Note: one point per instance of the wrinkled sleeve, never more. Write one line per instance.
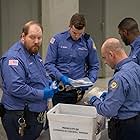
(92, 62)
(113, 101)
(51, 60)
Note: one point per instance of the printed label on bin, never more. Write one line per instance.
(70, 130)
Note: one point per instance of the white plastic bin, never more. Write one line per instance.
(72, 122)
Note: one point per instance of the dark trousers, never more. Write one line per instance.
(128, 129)
(11, 126)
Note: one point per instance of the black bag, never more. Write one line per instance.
(2, 110)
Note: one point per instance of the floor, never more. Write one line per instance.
(100, 85)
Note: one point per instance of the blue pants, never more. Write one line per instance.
(11, 126)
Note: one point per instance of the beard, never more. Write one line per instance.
(34, 49)
(126, 41)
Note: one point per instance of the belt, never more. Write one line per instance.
(125, 120)
(17, 112)
(21, 112)
(27, 115)
(36, 113)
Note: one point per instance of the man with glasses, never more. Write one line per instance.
(72, 54)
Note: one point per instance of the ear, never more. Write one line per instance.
(125, 32)
(22, 37)
(111, 55)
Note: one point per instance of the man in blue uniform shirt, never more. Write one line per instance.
(122, 101)
(72, 54)
(26, 87)
(130, 34)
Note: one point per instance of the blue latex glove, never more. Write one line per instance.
(92, 100)
(48, 93)
(65, 80)
(102, 97)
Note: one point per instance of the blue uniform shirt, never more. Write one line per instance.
(73, 58)
(135, 50)
(24, 78)
(123, 98)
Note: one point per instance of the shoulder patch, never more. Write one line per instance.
(13, 62)
(52, 40)
(113, 85)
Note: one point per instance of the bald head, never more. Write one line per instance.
(112, 52)
(112, 44)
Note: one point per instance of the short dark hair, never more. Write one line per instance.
(26, 27)
(78, 20)
(129, 24)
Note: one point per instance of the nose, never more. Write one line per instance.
(36, 40)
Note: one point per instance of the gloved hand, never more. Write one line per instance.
(54, 86)
(48, 93)
(65, 80)
(102, 97)
(92, 100)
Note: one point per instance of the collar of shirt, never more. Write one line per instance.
(135, 44)
(121, 63)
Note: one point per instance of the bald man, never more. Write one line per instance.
(122, 101)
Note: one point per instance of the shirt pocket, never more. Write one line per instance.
(34, 73)
(82, 53)
(63, 54)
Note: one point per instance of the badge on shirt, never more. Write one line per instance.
(52, 40)
(13, 62)
(113, 85)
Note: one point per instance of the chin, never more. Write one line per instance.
(76, 39)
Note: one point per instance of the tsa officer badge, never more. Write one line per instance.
(113, 85)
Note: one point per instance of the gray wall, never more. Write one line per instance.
(14, 13)
(94, 13)
(55, 17)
